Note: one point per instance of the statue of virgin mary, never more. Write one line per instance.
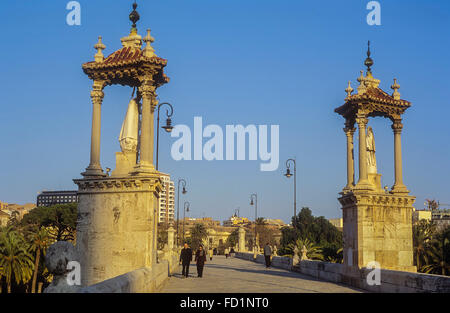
(370, 146)
(128, 137)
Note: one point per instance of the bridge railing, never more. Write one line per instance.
(390, 281)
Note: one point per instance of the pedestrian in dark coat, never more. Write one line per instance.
(185, 259)
(200, 258)
(267, 254)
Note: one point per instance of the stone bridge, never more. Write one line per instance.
(234, 275)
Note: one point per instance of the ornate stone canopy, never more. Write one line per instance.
(372, 101)
(127, 66)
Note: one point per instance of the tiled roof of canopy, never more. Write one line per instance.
(378, 94)
(123, 56)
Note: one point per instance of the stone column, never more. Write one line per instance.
(94, 168)
(171, 238)
(363, 182)
(241, 239)
(147, 129)
(350, 159)
(398, 187)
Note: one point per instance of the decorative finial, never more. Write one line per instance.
(368, 62)
(148, 50)
(362, 83)
(134, 17)
(349, 89)
(395, 87)
(99, 57)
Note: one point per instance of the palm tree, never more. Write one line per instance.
(39, 242)
(260, 221)
(313, 251)
(422, 235)
(439, 252)
(15, 260)
(198, 234)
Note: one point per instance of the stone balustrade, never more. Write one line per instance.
(142, 280)
(391, 281)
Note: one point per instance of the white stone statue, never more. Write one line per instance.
(370, 146)
(304, 251)
(128, 137)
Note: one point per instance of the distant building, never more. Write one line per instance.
(441, 218)
(337, 222)
(49, 198)
(207, 221)
(166, 208)
(236, 221)
(418, 215)
(4, 218)
(3, 205)
(275, 222)
(20, 209)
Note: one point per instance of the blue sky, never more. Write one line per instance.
(231, 62)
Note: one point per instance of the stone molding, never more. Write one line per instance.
(119, 184)
(354, 197)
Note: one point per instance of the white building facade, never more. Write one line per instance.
(166, 208)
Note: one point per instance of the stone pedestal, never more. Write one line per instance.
(375, 180)
(378, 227)
(115, 225)
(125, 163)
(171, 238)
(241, 241)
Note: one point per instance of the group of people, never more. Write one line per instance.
(200, 258)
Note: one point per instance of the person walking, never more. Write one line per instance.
(232, 252)
(185, 259)
(226, 253)
(211, 253)
(267, 254)
(200, 258)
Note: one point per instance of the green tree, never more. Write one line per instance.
(15, 260)
(60, 220)
(198, 234)
(162, 236)
(423, 232)
(40, 241)
(318, 230)
(265, 234)
(13, 221)
(232, 240)
(439, 252)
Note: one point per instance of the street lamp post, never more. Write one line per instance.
(181, 180)
(168, 127)
(288, 175)
(254, 196)
(186, 209)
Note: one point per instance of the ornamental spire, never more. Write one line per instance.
(349, 89)
(148, 50)
(395, 87)
(99, 57)
(133, 39)
(134, 17)
(368, 62)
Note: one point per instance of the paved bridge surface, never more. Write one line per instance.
(237, 275)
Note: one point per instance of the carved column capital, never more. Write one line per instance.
(397, 126)
(97, 96)
(349, 131)
(147, 89)
(97, 91)
(361, 120)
